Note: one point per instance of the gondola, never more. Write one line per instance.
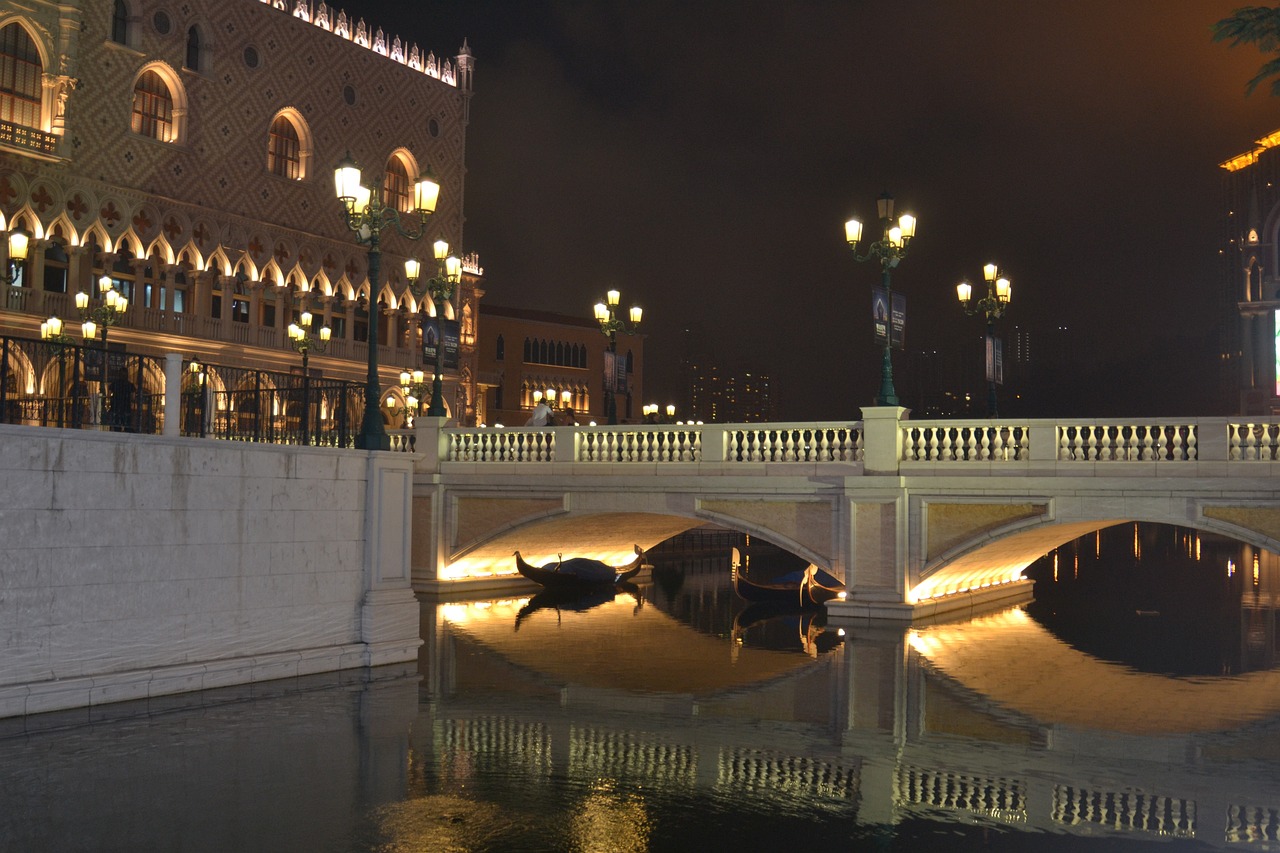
(811, 587)
(575, 600)
(580, 573)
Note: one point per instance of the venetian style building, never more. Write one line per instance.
(527, 354)
(185, 149)
(1250, 348)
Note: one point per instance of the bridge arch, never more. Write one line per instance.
(969, 546)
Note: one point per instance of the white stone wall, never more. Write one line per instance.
(135, 566)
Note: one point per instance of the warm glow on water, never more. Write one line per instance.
(1135, 702)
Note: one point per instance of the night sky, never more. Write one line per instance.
(702, 156)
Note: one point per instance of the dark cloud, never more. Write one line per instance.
(703, 156)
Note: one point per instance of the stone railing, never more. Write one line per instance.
(881, 444)
(665, 443)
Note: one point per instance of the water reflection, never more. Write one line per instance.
(671, 717)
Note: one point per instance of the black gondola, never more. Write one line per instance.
(579, 573)
(811, 587)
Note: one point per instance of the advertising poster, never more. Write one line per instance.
(995, 360)
(431, 337)
(615, 373)
(889, 323)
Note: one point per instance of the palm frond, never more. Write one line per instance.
(1258, 25)
(1268, 70)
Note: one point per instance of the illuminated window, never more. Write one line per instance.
(20, 73)
(152, 107)
(395, 186)
(284, 153)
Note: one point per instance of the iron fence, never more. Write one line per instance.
(44, 383)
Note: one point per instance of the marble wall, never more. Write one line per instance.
(137, 566)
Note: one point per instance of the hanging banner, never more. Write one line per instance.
(431, 337)
(615, 373)
(888, 317)
(995, 360)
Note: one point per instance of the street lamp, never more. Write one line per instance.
(889, 251)
(610, 325)
(440, 287)
(51, 331)
(303, 340)
(993, 306)
(367, 214)
(19, 246)
(413, 384)
(110, 309)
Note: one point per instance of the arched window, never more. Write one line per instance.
(20, 73)
(193, 48)
(502, 350)
(284, 149)
(55, 268)
(153, 107)
(528, 351)
(395, 185)
(120, 23)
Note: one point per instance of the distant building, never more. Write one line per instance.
(717, 394)
(1249, 305)
(528, 353)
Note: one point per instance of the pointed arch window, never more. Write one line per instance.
(193, 48)
(120, 23)
(284, 150)
(395, 185)
(20, 74)
(153, 107)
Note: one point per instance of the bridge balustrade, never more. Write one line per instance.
(1009, 445)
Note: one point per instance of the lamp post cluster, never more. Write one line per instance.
(413, 384)
(888, 251)
(610, 324)
(992, 306)
(367, 215)
(651, 414)
(440, 287)
(304, 340)
(97, 321)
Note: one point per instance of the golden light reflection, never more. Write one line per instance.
(1017, 663)
(608, 822)
(1055, 566)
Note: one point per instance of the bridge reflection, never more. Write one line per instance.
(991, 723)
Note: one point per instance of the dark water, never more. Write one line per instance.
(1135, 705)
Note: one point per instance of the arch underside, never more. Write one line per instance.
(1001, 557)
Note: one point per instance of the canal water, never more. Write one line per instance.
(1135, 705)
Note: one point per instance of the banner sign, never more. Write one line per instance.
(890, 325)
(431, 337)
(615, 373)
(995, 360)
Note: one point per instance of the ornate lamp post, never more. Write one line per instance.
(108, 312)
(367, 215)
(440, 288)
(303, 340)
(51, 331)
(889, 251)
(413, 384)
(201, 373)
(610, 325)
(993, 306)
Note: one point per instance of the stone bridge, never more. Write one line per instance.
(919, 517)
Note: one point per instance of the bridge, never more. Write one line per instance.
(920, 518)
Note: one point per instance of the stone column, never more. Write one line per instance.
(172, 393)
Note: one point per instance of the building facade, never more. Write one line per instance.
(186, 152)
(536, 354)
(1250, 304)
